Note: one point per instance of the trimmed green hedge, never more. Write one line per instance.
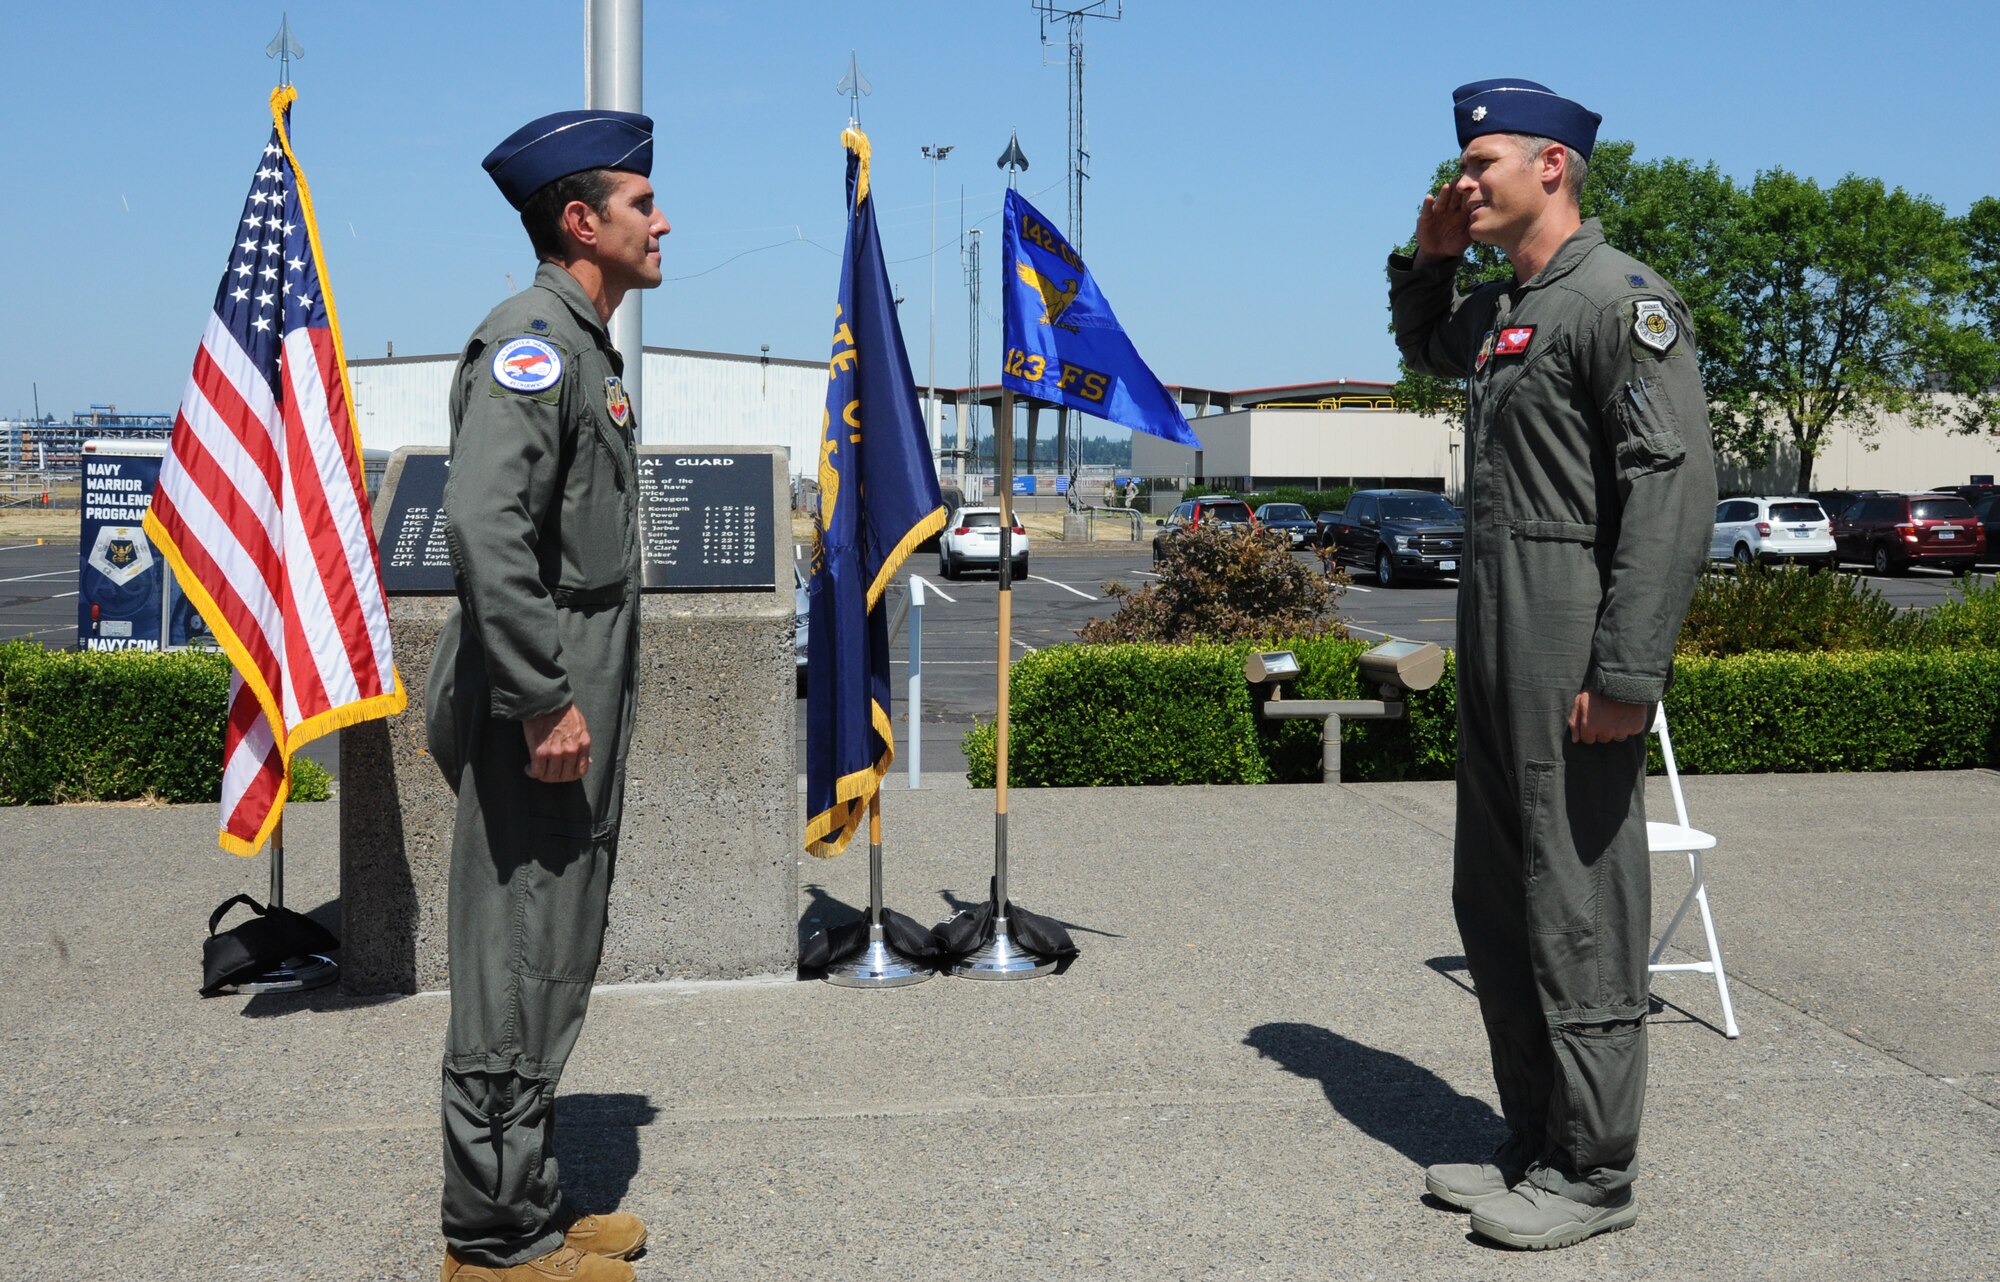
(1083, 716)
(1095, 715)
(1806, 713)
(116, 725)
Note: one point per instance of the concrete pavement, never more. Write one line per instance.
(1267, 1035)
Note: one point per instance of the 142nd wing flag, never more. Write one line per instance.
(1063, 344)
(261, 508)
(878, 499)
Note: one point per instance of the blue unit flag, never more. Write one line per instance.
(1062, 342)
(878, 499)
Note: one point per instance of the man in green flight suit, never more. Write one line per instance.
(1591, 489)
(530, 702)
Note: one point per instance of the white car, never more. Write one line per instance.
(1772, 530)
(971, 539)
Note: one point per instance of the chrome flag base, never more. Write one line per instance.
(1002, 958)
(877, 966)
(293, 975)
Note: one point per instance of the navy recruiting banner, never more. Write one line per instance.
(126, 598)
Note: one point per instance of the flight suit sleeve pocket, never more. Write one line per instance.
(1649, 438)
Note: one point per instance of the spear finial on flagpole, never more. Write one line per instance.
(853, 86)
(1013, 160)
(284, 48)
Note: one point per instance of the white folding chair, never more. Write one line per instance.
(1675, 839)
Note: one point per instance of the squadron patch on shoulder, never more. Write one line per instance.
(527, 365)
(1653, 326)
(616, 402)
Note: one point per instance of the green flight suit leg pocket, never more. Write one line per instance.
(1589, 908)
(501, 1197)
(1594, 1115)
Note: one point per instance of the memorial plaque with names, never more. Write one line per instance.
(705, 522)
(414, 557)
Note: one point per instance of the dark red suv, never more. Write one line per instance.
(1892, 532)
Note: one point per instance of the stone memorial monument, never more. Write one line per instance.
(707, 880)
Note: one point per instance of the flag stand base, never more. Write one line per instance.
(293, 975)
(877, 966)
(1002, 958)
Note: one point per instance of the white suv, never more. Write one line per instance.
(1772, 529)
(972, 538)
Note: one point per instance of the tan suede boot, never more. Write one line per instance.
(564, 1264)
(616, 1234)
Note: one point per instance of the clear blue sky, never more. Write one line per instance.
(1253, 162)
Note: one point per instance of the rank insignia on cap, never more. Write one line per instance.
(1485, 352)
(616, 402)
(527, 365)
(1653, 326)
(1479, 113)
(1513, 340)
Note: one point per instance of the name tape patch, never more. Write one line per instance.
(1513, 340)
(527, 365)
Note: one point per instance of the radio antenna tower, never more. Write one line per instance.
(284, 49)
(968, 445)
(854, 87)
(1071, 14)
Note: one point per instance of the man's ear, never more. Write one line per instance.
(579, 222)
(1554, 165)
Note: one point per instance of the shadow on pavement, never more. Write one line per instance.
(1452, 968)
(1391, 1099)
(597, 1147)
(958, 904)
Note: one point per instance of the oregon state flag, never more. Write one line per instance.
(878, 499)
(1061, 340)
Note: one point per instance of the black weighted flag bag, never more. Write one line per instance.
(250, 948)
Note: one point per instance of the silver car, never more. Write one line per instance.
(971, 539)
(1787, 530)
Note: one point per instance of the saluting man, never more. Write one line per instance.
(530, 702)
(1591, 488)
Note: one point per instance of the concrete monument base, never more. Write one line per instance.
(707, 878)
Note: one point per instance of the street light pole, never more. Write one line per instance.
(934, 154)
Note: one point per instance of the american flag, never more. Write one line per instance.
(261, 509)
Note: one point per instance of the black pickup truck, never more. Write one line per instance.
(1400, 534)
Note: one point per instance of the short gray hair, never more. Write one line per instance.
(1575, 167)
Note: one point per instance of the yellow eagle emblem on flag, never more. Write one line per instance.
(1056, 299)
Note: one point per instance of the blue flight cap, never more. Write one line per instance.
(569, 142)
(1511, 106)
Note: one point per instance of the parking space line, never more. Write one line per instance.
(1064, 586)
(18, 546)
(932, 589)
(45, 574)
